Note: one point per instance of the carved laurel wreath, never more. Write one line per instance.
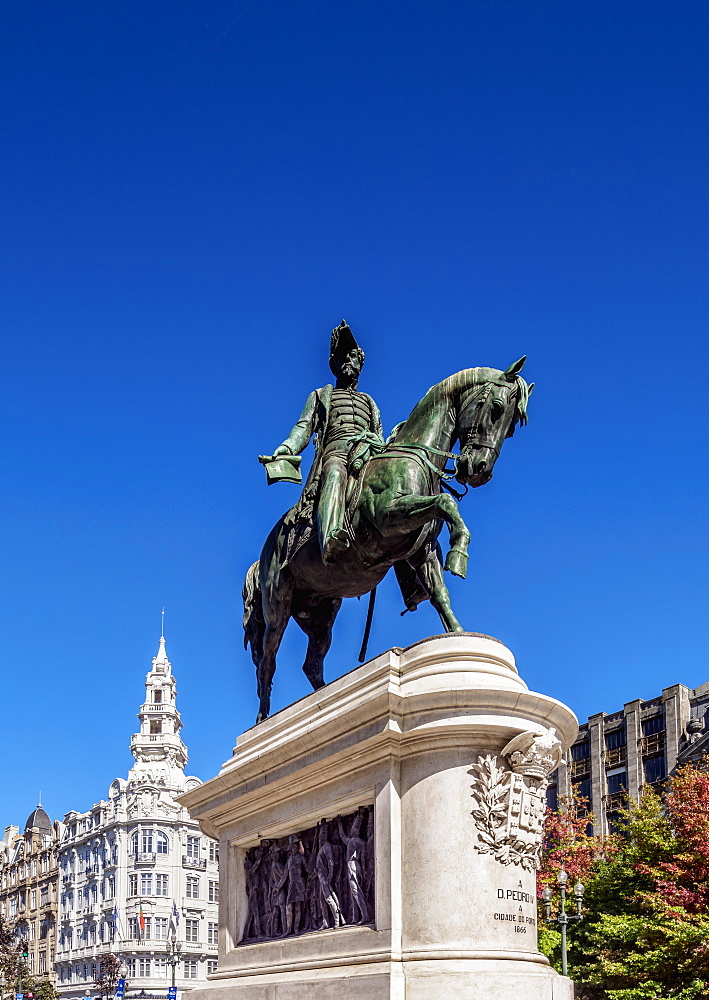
(491, 790)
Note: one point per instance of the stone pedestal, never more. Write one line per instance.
(455, 903)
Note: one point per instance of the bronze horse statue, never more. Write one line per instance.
(395, 517)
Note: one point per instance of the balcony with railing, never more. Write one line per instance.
(659, 785)
(616, 800)
(615, 757)
(580, 767)
(145, 858)
(200, 863)
(655, 743)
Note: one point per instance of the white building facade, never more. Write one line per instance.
(135, 871)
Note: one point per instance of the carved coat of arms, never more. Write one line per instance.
(510, 798)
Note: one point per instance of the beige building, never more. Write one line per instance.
(29, 879)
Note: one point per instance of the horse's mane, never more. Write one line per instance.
(470, 378)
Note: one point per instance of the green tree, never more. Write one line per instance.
(109, 972)
(645, 934)
(42, 989)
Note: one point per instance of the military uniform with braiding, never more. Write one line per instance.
(337, 417)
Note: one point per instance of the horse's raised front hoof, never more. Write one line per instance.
(457, 563)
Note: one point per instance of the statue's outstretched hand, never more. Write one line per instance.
(282, 449)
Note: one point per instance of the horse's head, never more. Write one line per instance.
(488, 411)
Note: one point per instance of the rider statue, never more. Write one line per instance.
(347, 428)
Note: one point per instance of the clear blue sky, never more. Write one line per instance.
(195, 193)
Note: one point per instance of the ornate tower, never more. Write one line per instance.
(158, 748)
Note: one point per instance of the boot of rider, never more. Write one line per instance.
(331, 513)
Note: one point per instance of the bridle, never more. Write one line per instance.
(476, 395)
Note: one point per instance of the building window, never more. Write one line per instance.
(655, 724)
(92, 934)
(161, 884)
(655, 769)
(162, 843)
(146, 883)
(192, 847)
(212, 933)
(146, 842)
(213, 891)
(44, 895)
(553, 797)
(580, 751)
(157, 696)
(160, 967)
(615, 739)
(213, 850)
(584, 789)
(143, 968)
(132, 928)
(211, 966)
(161, 928)
(155, 726)
(132, 885)
(192, 887)
(190, 968)
(617, 782)
(134, 843)
(130, 962)
(192, 931)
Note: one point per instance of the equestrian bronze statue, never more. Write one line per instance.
(368, 505)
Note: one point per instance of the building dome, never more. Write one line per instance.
(39, 820)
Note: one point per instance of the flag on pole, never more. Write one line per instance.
(114, 920)
(175, 917)
(141, 922)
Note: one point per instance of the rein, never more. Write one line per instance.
(444, 475)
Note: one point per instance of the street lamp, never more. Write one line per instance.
(174, 951)
(123, 974)
(564, 918)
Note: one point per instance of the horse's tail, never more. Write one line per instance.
(254, 624)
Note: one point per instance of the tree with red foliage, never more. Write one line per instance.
(567, 843)
(645, 932)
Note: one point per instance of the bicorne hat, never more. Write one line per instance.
(341, 343)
